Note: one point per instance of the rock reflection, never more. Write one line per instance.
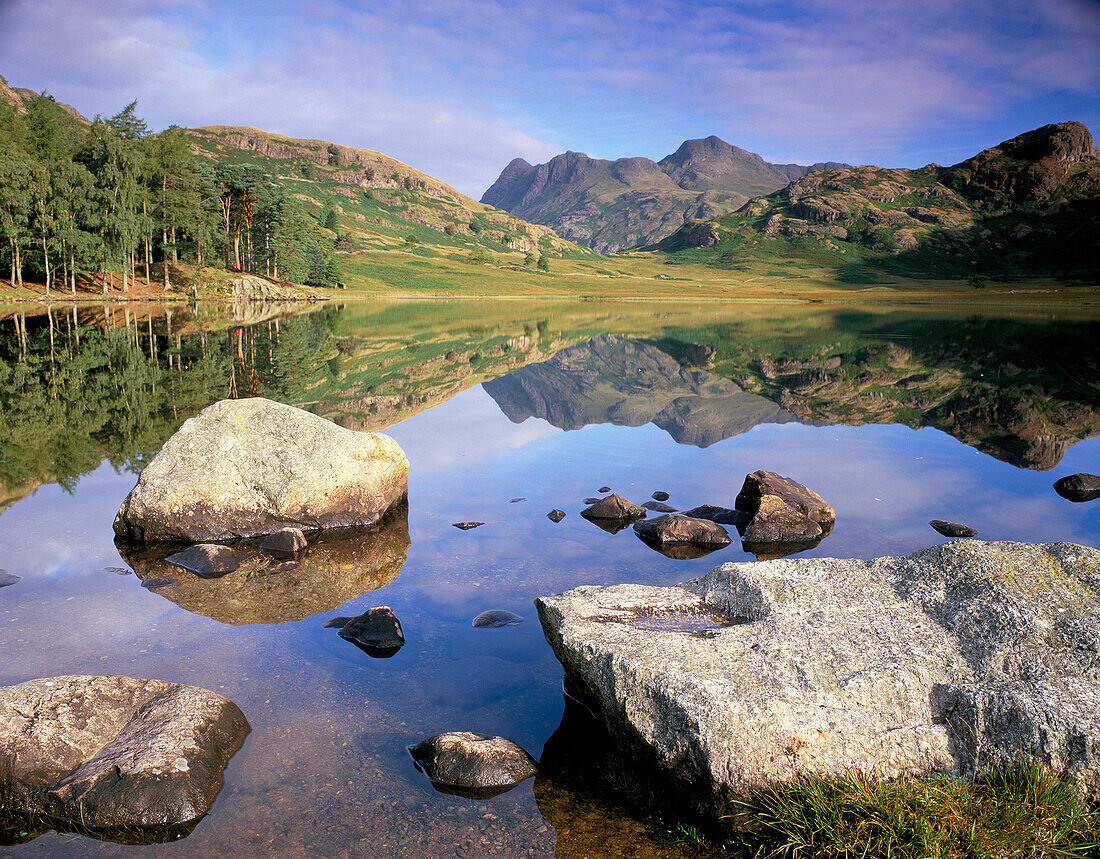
(336, 568)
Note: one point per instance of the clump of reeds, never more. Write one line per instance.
(1018, 811)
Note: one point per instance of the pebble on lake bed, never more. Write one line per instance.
(496, 618)
(159, 582)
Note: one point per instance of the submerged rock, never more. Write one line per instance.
(376, 631)
(496, 618)
(286, 542)
(786, 517)
(952, 529)
(1078, 487)
(555, 515)
(470, 764)
(604, 489)
(516, 500)
(336, 623)
(467, 526)
(243, 468)
(7, 578)
(658, 507)
(952, 659)
(208, 560)
(591, 500)
(115, 751)
(159, 582)
(677, 528)
(614, 507)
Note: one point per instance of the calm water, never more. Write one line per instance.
(895, 418)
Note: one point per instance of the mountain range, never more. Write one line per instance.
(612, 205)
(1026, 207)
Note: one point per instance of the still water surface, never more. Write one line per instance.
(895, 418)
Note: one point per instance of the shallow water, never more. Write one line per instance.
(926, 415)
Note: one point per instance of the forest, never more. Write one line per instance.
(105, 203)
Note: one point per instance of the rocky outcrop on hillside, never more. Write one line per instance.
(951, 660)
(19, 97)
(611, 205)
(1004, 209)
(613, 380)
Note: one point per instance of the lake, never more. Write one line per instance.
(506, 410)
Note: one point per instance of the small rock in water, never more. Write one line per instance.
(1078, 487)
(472, 765)
(466, 526)
(659, 496)
(284, 543)
(336, 623)
(555, 515)
(515, 500)
(658, 507)
(7, 578)
(952, 529)
(118, 571)
(208, 560)
(376, 631)
(159, 582)
(614, 507)
(677, 528)
(284, 567)
(591, 500)
(496, 618)
(604, 489)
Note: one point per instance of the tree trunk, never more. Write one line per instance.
(175, 258)
(46, 261)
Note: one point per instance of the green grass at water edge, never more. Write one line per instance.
(1021, 811)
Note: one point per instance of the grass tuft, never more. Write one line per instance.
(1019, 811)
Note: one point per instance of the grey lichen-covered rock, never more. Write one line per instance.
(950, 659)
(472, 764)
(243, 468)
(115, 751)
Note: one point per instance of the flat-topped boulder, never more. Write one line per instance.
(110, 752)
(949, 660)
(242, 468)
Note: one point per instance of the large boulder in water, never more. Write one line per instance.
(952, 659)
(115, 751)
(242, 468)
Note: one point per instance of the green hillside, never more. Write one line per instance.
(1029, 207)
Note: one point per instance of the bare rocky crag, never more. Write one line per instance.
(612, 205)
(1004, 205)
(950, 660)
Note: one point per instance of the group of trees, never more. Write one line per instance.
(109, 200)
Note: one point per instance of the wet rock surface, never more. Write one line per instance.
(677, 528)
(339, 566)
(284, 543)
(952, 529)
(1079, 487)
(376, 631)
(208, 560)
(243, 468)
(115, 751)
(555, 515)
(786, 517)
(659, 496)
(471, 764)
(658, 507)
(496, 618)
(951, 659)
(467, 526)
(615, 508)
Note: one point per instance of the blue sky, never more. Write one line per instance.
(458, 88)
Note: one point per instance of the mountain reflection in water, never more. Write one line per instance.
(826, 395)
